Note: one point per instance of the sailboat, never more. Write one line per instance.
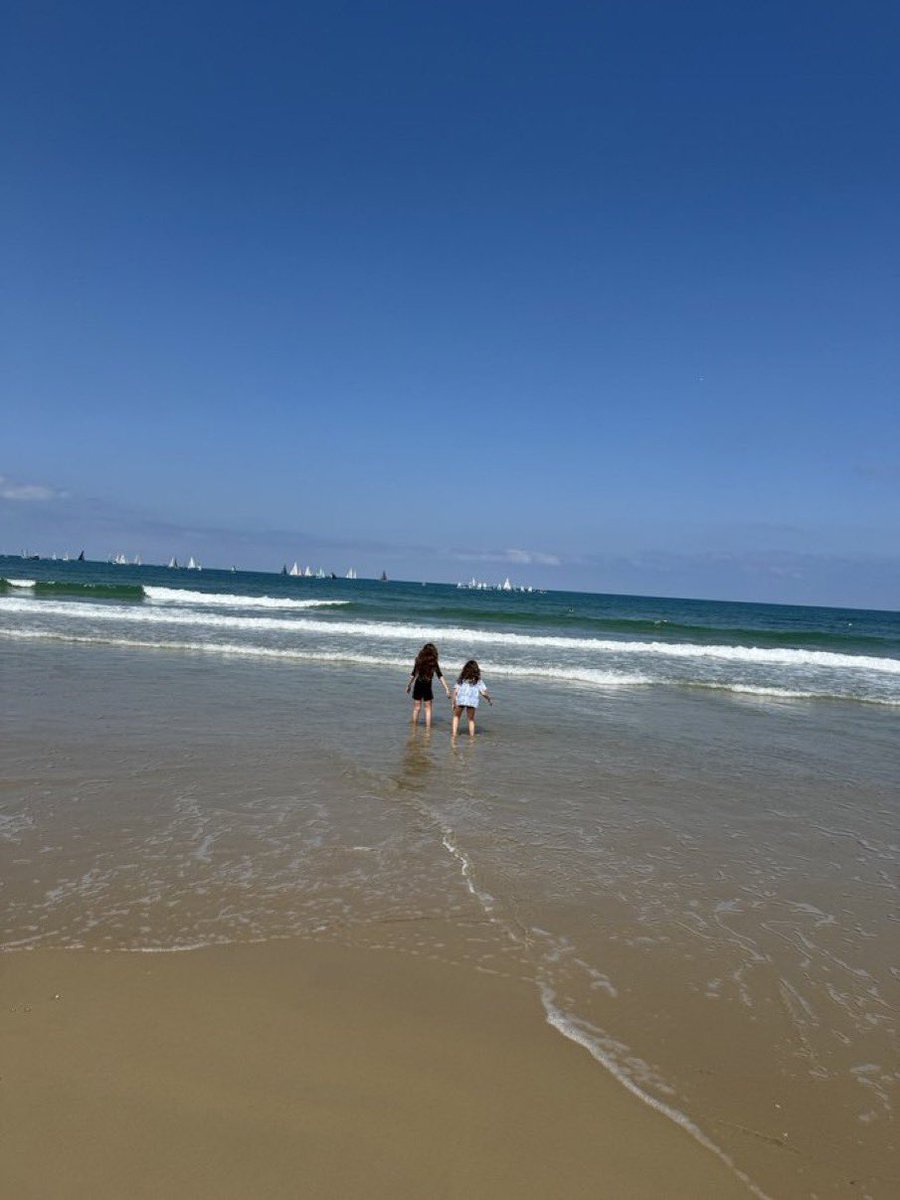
(351, 574)
(295, 570)
(120, 560)
(384, 577)
(320, 574)
(193, 566)
(81, 557)
(284, 568)
(173, 562)
(506, 586)
(308, 572)
(137, 561)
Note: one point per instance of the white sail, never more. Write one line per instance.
(320, 574)
(192, 566)
(173, 562)
(308, 572)
(137, 560)
(295, 570)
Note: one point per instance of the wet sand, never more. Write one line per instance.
(300, 1069)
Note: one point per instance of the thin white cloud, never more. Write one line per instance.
(511, 556)
(11, 490)
(533, 556)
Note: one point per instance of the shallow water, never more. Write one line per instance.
(702, 884)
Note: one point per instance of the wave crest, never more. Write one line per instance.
(165, 595)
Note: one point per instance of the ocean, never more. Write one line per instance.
(680, 821)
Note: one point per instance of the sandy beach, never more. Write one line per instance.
(301, 1069)
(299, 958)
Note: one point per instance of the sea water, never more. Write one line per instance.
(680, 821)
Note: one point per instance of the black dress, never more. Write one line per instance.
(422, 687)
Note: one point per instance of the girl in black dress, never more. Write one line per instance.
(424, 670)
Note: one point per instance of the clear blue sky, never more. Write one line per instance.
(598, 295)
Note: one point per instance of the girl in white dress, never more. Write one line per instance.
(466, 694)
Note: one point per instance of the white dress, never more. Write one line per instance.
(468, 694)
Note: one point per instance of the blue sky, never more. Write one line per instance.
(599, 295)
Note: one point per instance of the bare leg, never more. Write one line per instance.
(454, 724)
(417, 704)
(470, 714)
(428, 704)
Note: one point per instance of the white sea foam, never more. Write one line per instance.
(777, 693)
(457, 635)
(22, 583)
(566, 674)
(164, 595)
(228, 649)
(598, 1046)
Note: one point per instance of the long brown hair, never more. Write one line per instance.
(471, 672)
(426, 661)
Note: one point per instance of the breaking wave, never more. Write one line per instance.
(389, 631)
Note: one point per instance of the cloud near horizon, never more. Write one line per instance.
(10, 489)
(512, 556)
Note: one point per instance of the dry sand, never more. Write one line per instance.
(296, 1069)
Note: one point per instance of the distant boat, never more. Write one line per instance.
(384, 577)
(65, 558)
(506, 586)
(137, 561)
(284, 569)
(81, 557)
(320, 574)
(308, 572)
(173, 562)
(351, 574)
(295, 570)
(193, 566)
(120, 561)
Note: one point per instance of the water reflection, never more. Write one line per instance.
(417, 762)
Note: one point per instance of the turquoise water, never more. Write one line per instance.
(680, 821)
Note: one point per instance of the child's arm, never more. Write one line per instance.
(487, 696)
(412, 680)
(444, 685)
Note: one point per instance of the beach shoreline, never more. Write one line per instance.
(309, 1069)
(694, 887)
